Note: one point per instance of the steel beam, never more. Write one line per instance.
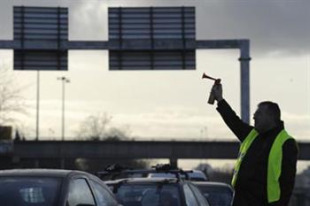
(134, 149)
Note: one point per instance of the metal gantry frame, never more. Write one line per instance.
(164, 44)
(242, 44)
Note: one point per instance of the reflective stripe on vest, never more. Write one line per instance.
(242, 151)
(274, 163)
(275, 166)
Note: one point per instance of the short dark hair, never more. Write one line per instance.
(273, 109)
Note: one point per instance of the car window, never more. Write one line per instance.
(167, 196)
(197, 175)
(80, 193)
(201, 199)
(16, 191)
(189, 196)
(161, 175)
(217, 196)
(103, 196)
(149, 195)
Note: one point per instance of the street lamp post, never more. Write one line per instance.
(64, 81)
(38, 105)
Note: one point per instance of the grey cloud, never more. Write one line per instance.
(273, 26)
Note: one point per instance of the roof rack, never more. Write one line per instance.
(116, 170)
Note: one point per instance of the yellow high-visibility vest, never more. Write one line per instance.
(274, 163)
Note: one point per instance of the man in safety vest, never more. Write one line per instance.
(264, 173)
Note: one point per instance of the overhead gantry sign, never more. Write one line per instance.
(140, 38)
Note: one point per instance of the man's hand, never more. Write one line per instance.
(217, 92)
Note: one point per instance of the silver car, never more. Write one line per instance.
(156, 192)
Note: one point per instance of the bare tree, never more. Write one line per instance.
(98, 127)
(11, 101)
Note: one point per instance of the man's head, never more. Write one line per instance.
(267, 116)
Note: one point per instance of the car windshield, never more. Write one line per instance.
(149, 195)
(16, 191)
(217, 196)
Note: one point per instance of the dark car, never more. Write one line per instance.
(156, 192)
(218, 194)
(49, 187)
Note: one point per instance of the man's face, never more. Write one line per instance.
(262, 120)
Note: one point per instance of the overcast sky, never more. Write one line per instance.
(172, 104)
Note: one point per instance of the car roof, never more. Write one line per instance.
(160, 170)
(191, 174)
(143, 180)
(41, 172)
(212, 184)
(197, 173)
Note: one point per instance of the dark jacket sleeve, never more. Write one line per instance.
(287, 178)
(236, 125)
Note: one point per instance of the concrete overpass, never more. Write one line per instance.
(173, 150)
